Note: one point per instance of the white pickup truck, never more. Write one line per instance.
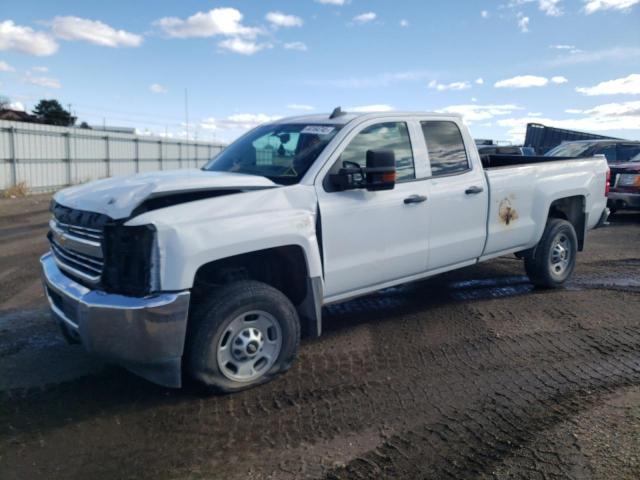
(218, 272)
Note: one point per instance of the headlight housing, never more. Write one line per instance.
(130, 260)
(629, 180)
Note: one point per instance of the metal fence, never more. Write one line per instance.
(46, 158)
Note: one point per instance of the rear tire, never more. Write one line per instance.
(244, 335)
(554, 258)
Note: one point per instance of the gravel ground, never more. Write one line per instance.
(474, 374)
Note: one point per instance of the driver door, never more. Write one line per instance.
(370, 238)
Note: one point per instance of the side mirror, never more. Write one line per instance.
(379, 174)
(381, 170)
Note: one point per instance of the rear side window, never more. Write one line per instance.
(446, 147)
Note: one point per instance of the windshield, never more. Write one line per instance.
(569, 149)
(281, 152)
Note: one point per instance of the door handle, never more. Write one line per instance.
(415, 199)
(474, 190)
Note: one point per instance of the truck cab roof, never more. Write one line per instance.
(346, 117)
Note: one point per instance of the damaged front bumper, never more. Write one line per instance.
(145, 335)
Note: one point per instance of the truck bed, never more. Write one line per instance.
(523, 188)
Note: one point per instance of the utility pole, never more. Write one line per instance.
(186, 110)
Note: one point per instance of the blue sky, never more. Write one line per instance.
(572, 63)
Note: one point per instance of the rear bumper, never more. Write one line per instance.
(621, 200)
(145, 335)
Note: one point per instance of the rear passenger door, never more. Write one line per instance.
(458, 197)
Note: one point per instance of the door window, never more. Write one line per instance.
(446, 148)
(609, 152)
(392, 136)
(627, 152)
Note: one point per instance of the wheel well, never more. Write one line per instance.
(284, 268)
(571, 209)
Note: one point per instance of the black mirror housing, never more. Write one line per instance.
(381, 170)
(379, 174)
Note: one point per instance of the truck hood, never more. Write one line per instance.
(118, 197)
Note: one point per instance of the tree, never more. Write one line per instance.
(85, 125)
(4, 102)
(52, 113)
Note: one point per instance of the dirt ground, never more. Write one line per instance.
(474, 374)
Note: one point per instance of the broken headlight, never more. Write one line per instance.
(129, 260)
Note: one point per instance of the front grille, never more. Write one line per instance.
(89, 267)
(77, 240)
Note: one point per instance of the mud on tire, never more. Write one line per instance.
(236, 323)
(552, 261)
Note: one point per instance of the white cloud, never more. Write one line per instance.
(235, 125)
(157, 88)
(370, 108)
(558, 80)
(484, 14)
(563, 47)
(40, 69)
(5, 67)
(476, 113)
(279, 19)
(18, 106)
(534, 114)
(607, 117)
(573, 111)
(45, 82)
(628, 85)
(449, 86)
(522, 81)
(592, 6)
(297, 106)
(243, 47)
(552, 8)
(25, 40)
(302, 47)
(479, 81)
(523, 23)
(332, 2)
(404, 23)
(609, 54)
(365, 17)
(374, 81)
(219, 21)
(93, 31)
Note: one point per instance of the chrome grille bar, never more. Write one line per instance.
(77, 250)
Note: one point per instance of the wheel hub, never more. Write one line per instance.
(247, 344)
(560, 254)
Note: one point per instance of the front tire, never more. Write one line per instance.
(554, 258)
(244, 335)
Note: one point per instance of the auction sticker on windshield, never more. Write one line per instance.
(318, 130)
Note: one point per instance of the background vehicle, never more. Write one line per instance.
(615, 151)
(543, 138)
(492, 149)
(625, 186)
(222, 269)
